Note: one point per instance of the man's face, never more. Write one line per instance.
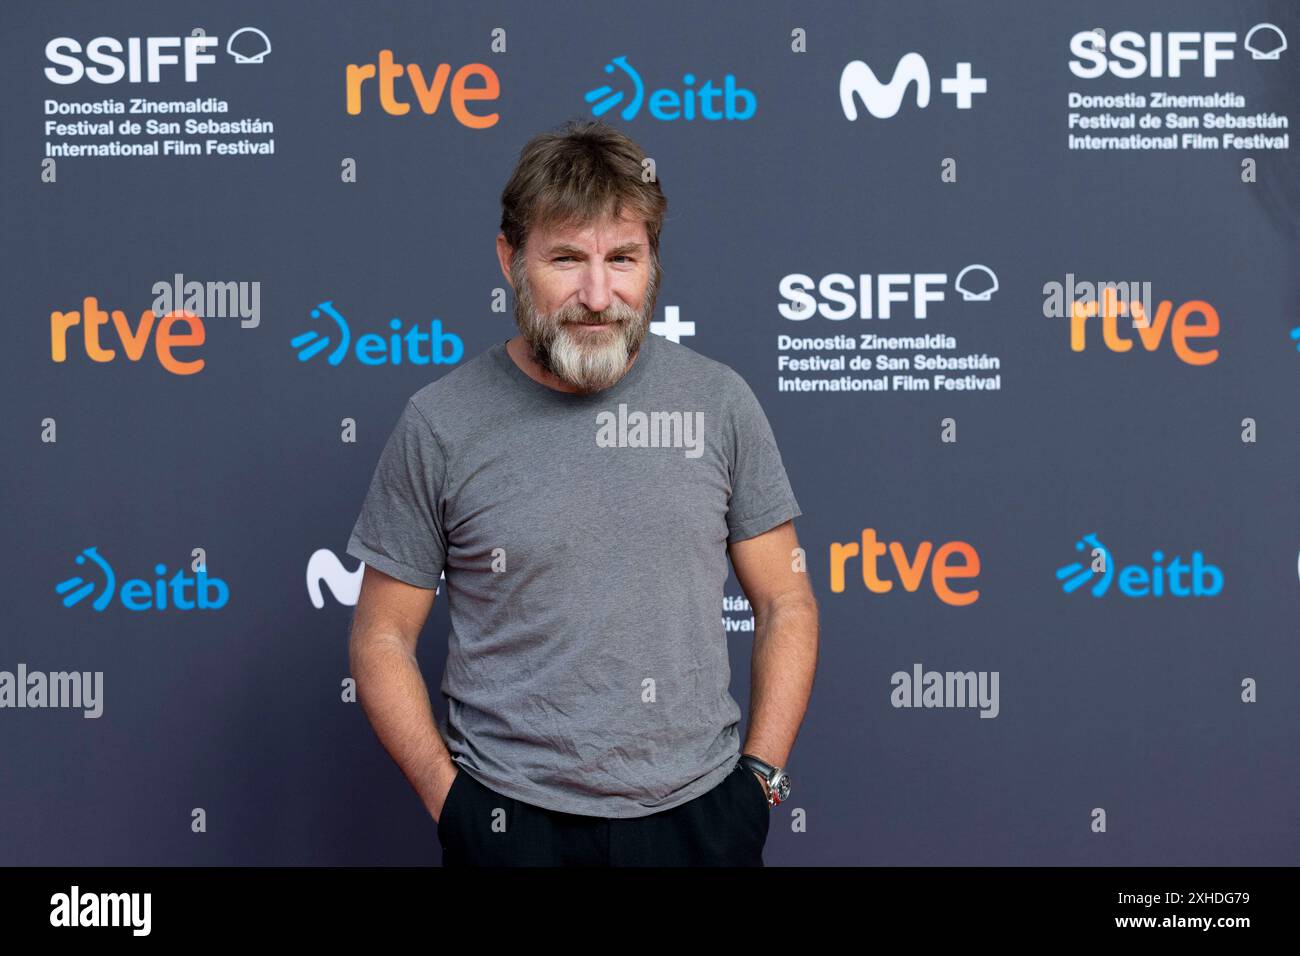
(585, 296)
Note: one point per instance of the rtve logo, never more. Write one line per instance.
(374, 349)
(428, 94)
(738, 103)
(1150, 330)
(1132, 55)
(911, 571)
(1201, 579)
(135, 341)
(137, 594)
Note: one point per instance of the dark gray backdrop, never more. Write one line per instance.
(1131, 705)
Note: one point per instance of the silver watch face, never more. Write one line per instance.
(782, 787)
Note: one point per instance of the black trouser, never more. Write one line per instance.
(726, 826)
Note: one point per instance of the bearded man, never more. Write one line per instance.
(582, 485)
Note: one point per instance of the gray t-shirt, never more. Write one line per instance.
(584, 543)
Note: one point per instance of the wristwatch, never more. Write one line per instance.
(778, 781)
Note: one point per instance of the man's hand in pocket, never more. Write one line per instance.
(446, 778)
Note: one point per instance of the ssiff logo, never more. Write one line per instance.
(840, 295)
(374, 349)
(1177, 578)
(1129, 55)
(737, 103)
(141, 59)
(137, 594)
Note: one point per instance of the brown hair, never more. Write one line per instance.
(579, 174)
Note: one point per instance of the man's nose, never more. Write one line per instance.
(596, 292)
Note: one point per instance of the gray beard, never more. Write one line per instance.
(590, 365)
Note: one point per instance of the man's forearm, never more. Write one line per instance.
(395, 698)
(781, 676)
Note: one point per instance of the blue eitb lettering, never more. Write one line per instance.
(705, 100)
(180, 592)
(1166, 576)
(373, 348)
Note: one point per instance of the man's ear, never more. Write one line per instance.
(505, 254)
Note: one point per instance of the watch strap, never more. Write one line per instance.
(763, 768)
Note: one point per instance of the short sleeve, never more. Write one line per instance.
(400, 529)
(761, 497)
